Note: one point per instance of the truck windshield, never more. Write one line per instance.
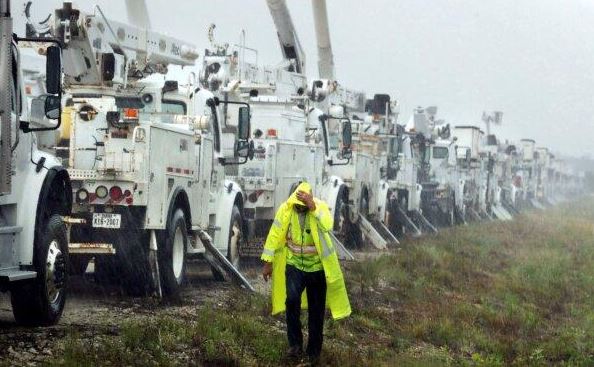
(440, 152)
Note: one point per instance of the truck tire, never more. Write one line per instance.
(394, 224)
(349, 231)
(40, 302)
(236, 238)
(172, 256)
(451, 210)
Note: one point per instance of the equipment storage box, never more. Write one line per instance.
(469, 137)
(544, 157)
(528, 148)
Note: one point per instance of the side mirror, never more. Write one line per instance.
(243, 124)
(52, 107)
(53, 70)
(347, 139)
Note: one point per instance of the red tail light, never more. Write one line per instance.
(115, 193)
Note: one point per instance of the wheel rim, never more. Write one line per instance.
(178, 253)
(234, 241)
(341, 226)
(54, 273)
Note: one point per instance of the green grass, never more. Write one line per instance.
(515, 293)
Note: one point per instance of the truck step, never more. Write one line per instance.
(253, 248)
(12, 275)
(372, 234)
(10, 230)
(88, 248)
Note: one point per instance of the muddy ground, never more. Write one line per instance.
(93, 310)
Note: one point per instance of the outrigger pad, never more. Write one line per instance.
(221, 263)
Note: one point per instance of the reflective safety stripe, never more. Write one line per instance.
(277, 223)
(326, 250)
(268, 252)
(297, 249)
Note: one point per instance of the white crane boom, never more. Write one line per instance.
(138, 14)
(98, 50)
(325, 56)
(287, 35)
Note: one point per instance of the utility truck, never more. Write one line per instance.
(355, 153)
(146, 156)
(542, 175)
(34, 187)
(283, 156)
(285, 129)
(497, 166)
(434, 158)
(526, 174)
(498, 169)
(472, 168)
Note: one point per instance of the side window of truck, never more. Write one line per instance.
(170, 109)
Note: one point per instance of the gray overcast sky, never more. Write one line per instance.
(532, 59)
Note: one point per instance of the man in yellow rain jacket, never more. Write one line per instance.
(299, 255)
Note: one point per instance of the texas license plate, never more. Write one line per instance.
(106, 220)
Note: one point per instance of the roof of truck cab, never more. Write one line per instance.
(467, 127)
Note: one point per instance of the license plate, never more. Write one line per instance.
(106, 220)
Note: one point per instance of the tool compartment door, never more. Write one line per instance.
(171, 167)
(295, 162)
(201, 190)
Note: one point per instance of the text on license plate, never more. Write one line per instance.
(106, 220)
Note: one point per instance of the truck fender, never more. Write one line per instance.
(53, 190)
(382, 199)
(414, 202)
(330, 191)
(231, 195)
(179, 199)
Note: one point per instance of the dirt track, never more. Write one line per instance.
(92, 310)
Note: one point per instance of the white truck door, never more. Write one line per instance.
(202, 193)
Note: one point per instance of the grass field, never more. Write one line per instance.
(515, 293)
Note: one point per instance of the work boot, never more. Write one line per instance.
(294, 353)
(313, 361)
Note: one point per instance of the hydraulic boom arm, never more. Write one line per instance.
(325, 56)
(287, 35)
(97, 50)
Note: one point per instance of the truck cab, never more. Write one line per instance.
(34, 187)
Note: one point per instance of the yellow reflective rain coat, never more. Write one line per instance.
(275, 251)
